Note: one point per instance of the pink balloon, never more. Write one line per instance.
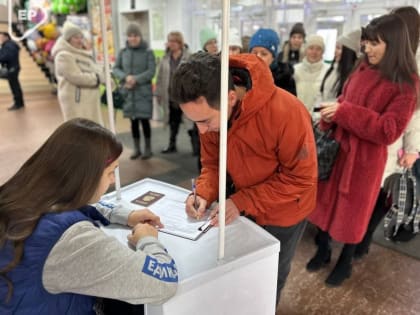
(49, 45)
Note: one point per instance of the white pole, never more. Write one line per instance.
(108, 87)
(223, 125)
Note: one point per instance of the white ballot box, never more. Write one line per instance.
(244, 282)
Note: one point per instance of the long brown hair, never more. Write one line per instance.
(398, 63)
(411, 17)
(62, 175)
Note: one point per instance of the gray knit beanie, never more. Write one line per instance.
(351, 40)
(133, 29)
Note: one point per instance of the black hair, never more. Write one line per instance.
(6, 34)
(345, 66)
(199, 76)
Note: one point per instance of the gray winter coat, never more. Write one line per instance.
(140, 62)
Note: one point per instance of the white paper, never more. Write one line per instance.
(170, 208)
(175, 220)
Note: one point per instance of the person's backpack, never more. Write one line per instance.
(401, 222)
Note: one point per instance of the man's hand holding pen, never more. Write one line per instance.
(195, 209)
(198, 211)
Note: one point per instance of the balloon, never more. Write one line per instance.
(63, 8)
(54, 7)
(31, 44)
(49, 30)
(40, 43)
(49, 45)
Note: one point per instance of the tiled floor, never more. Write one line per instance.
(385, 282)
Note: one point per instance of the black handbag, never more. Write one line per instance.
(327, 149)
(117, 97)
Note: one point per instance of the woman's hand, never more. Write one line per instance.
(328, 111)
(140, 231)
(144, 216)
(195, 210)
(408, 159)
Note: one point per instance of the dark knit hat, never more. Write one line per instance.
(267, 38)
(133, 29)
(297, 29)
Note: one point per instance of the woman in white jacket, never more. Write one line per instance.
(78, 76)
(403, 152)
(310, 72)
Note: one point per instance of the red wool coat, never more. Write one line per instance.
(373, 114)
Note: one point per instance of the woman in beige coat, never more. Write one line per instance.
(78, 76)
(405, 151)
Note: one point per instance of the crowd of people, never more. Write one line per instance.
(367, 96)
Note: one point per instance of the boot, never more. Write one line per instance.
(172, 140)
(323, 254)
(148, 150)
(136, 152)
(15, 107)
(170, 148)
(342, 269)
(380, 210)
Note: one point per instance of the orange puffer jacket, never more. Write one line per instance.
(271, 153)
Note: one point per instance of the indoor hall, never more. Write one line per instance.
(383, 282)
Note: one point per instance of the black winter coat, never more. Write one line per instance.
(283, 76)
(9, 55)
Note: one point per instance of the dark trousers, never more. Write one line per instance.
(15, 88)
(289, 238)
(175, 118)
(135, 129)
(115, 307)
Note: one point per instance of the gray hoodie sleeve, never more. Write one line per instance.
(115, 213)
(87, 261)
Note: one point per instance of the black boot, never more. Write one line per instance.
(148, 150)
(380, 210)
(15, 107)
(323, 254)
(136, 152)
(342, 269)
(170, 148)
(172, 139)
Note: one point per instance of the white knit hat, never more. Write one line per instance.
(315, 40)
(70, 29)
(351, 40)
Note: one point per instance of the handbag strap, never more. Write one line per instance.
(414, 216)
(402, 195)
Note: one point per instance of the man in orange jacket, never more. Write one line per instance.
(271, 156)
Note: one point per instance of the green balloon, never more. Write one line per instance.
(63, 8)
(54, 7)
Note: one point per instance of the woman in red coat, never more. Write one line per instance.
(377, 103)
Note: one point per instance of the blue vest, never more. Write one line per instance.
(29, 295)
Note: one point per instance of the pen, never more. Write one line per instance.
(194, 191)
